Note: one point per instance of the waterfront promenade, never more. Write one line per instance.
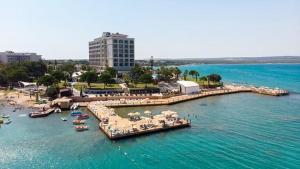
(146, 101)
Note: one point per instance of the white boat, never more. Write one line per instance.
(5, 116)
(63, 119)
(8, 121)
(57, 110)
(74, 106)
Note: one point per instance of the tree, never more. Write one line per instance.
(135, 73)
(52, 91)
(185, 74)
(17, 74)
(46, 80)
(192, 73)
(146, 78)
(214, 77)
(177, 72)
(105, 78)
(58, 75)
(113, 72)
(3, 79)
(126, 79)
(89, 77)
(197, 74)
(164, 73)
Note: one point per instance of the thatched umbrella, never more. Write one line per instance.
(147, 112)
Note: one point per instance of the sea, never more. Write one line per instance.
(243, 130)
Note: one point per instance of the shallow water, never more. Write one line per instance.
(233, 131)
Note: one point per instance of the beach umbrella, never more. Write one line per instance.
(130, 114)
(175, 115)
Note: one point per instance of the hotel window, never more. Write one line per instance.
(115, 55)
(121, 64)
(131, 51)
(126, 46)
(131, 64)
(115, 64)
(131, 55)
(126, 55)
(126, 64)
(115, 60)
(115, 46)
(126, 51)
(121, 46)
(115, 41)
(125, 41)
(120, 50)
(131, 60)
(131, 42)
(120, 41)
(131, 46)
(120, 55)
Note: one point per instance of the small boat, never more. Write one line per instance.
(1, 121)
(82, 116)
(8, 121)
(57, 110)
(74, 106)
(81, 128)
(78, 122)
(5, 116)
(76, 113)
(63, 119)
(41, 114)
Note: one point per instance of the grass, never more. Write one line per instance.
(141, 85)
(204, 82)
(84, 85)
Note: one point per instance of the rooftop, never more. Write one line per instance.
(187, 83)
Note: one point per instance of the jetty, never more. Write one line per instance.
(151, 101)
(116, 127)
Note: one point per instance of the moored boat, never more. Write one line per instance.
(81, 128)
(5, 116)
(82, 116)
(63, 119)
(40, 113)
(74, 106)
(57, 110)
(8, 121)
(76, 113)
(78, 122)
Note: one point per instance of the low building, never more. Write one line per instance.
(188, 87)
(12, 57)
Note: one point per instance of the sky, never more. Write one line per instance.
(61, 29)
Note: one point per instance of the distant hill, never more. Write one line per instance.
(235, 60)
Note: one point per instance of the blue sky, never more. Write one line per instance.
(61, 29)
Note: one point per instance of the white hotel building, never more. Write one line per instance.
(12, 57)
(112, 50)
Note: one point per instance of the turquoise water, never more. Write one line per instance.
(233, 131)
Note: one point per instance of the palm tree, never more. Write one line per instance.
(177, 72)
(185, 74)
(197, 74)
(193, 73)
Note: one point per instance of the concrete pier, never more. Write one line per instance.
(116, 127)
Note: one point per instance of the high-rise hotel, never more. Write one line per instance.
(112, 50)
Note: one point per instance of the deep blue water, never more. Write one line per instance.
(232, 131)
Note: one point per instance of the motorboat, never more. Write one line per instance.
(8, 121)
(78, 122)
(76, 113)
(41, 113)
(5, 116)
(74, 106)
(81, 128)
(82, 116)
(57, 110)
(63, 119)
